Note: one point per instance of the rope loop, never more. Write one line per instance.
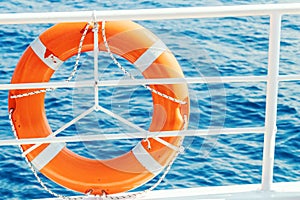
(72, 74)
(127, 73)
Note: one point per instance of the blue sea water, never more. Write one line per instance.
(204, 47)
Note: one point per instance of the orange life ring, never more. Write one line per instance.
(140, 47)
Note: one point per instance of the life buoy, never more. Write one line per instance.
(140, 47)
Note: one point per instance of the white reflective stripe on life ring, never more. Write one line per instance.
(45, 55)
(47, 155)
(146, 159)
(149, 56)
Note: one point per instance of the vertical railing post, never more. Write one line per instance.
(271, 101)
(96, 52)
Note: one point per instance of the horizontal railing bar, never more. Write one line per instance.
(280, 190)
(135, 135)
(150, 14)
(61, 84)
(289, 78)
(129, 82)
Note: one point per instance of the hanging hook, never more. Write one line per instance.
(148, 143)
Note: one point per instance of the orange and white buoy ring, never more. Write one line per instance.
(140, 47)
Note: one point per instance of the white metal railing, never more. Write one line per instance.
(275, 11)
(150, 14)
(131, 135)
(271, 101)
(107, 83)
